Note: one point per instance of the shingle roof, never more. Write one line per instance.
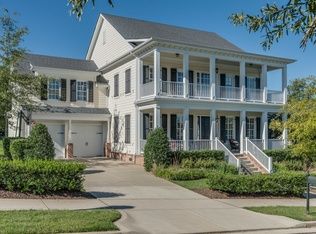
(131, 28)
(69, 110)
(60, 62)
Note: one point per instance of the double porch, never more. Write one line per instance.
(198, 129)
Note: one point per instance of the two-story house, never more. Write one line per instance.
(139, 75)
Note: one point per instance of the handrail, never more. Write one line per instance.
(258, 155)
(231, 157)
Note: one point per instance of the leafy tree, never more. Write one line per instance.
(274, 21)
(40, 144)
(156, 149)
(16, 88)
(302, 89)
(77, 6)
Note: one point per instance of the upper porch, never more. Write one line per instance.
(184, 75)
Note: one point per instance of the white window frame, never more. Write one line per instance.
(78, 92)
(232, 129)
(202, 78)
(49, 95)
(251, 123)
(179, 76)
(230, 80)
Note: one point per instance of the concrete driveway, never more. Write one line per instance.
(153, 205)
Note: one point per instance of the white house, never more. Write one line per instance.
(139, 75)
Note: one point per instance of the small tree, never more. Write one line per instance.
(156, 149)
(40, 144)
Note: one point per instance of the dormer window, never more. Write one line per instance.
(53, 89)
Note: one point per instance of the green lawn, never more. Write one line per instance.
(1, 148)
(293, 212)
(192, 184)
(58, 221)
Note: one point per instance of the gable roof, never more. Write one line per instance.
(131, 28)
(60, 62)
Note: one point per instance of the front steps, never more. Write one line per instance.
(249, 165)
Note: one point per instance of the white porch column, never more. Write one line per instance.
(139, 78)
(156, 72)
(185, 75)
(242, 130)
(157, 116)
(69, 131)
(284, 83)
(186, 129)
(284, 134)
(213, 127)
(264, 124)
(264, 82)
(242, 75)
(213, 77)
(137, 131)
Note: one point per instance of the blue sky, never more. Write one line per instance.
(53, 31)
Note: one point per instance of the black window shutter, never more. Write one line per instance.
(246, 82)
(237, 123)
(145, 125)
(222, 128)
(164, 74)
(222, 79)
(73, 95)
(164, 122)
(116, 85)
(258, 128)
(116, 129)
(237, 81)
(191, 127)
(145, 74)
(173, 74)
(44, 89)
(173, 125)
(63, 89)
(128, 81)
(257, 83)
(127, 129)
(191, 76)
(90, 88)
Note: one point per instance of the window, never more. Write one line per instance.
(148, 124)
(116, 85)
(229, 127)
(53, 89)
(251, 128)
(116, 129)
(230, 80)
(127, 129)
(204, 127)
(179, 127)
(203, 78)
(128, 81)
(148, 74)
(82, 89)
(179, 76)
(104, 37)
(251, 82)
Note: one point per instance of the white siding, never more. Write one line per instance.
(123, 105)
(114, 47)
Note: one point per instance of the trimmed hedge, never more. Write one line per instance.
(173, 173)
(178, 156)
(209, 164)
(289, 166)
(6, 148)
(17, 149)
(280, 155)
(278, 184)
(41, 176)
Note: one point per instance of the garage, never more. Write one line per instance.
(87, 139)
(57, 133)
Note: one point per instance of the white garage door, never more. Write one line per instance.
(57, 132)
(87, 140)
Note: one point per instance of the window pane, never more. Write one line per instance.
(53, 89)
(82, 88)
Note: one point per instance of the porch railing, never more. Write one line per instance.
(258, 155)
(171, 88)
(254, 95)
(275, 144)
(147, 89)
(199, 90)
(274, 96)
(228, 93)
(258, 143)
(231, 158)
(176, 145)
(200, 144)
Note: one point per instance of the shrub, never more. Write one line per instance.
(209, 164)
(40, 143)
(290, 183)
(41, 176)
(174, 173)
(6, 148)
(289, 166)
(280, 155)
(156, 150)
(198, 154)
(17, 148)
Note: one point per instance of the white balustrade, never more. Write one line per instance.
(254, 95)
(200, 144)
(274, 96)
(228, 93)
(231, 158)
(199, 90)
(171, 88)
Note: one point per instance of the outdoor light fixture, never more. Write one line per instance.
(177, 55)
(216, 70)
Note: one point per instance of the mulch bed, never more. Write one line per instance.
(222, 195)
(59, 195)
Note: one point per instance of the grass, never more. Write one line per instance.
(58, 221)
(192, 184)
(293, 212)
(1, 148)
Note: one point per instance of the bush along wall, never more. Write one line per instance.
(278, 184)
(280, 155)
(6, 148)
(41, 176)
(178, 156)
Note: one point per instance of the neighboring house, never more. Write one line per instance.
(194, 84)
